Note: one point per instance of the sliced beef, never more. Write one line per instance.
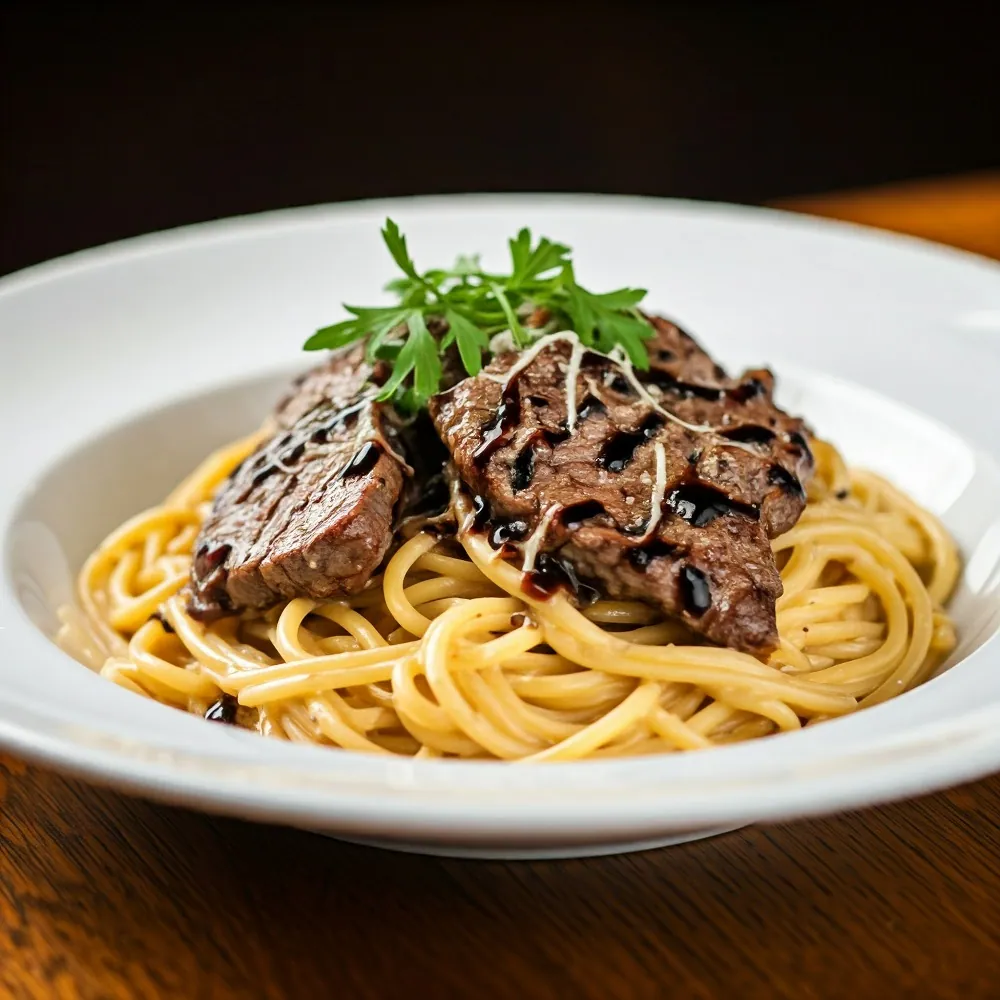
(310, 513)
(694, 540)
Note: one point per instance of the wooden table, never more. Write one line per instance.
(107, 896)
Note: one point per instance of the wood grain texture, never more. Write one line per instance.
(103, 896)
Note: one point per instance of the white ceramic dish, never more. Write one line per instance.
(122, 366)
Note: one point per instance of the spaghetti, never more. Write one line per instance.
(444, 655)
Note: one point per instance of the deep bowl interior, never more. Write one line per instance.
(94, 488)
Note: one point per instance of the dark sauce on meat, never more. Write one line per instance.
(158, 616)
(496, 432)
(799, 441)
(552, 438)
(745, 391)
(619, 450)
(552, 574)
(700, 504)
(591, 360)
(224, 710)
(590, 407)
(641, 557)
(364, 461)
(346, 417)
(670, 383)
(480, 513)
(778, 475)
(579, 512)
(508, 531)
(523, 470)
(635, 530)
(695, 591)
(264, 473)
(651, 424)
(538, 401)
(749, 434)
(619, 384)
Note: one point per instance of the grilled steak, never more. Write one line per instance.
(663, 485)
(310, 513)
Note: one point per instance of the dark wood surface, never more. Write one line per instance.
(118, 119)
(103, 896)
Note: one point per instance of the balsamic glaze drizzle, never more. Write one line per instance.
(749, 433)
(778, 475)
(641, 557)
(224, 710)
(671, 383)
(579, 512)
(695, 591)
(364, 461)
(268, 470)
(159, 617)
(747, 390)
(480, 513)
(508, 531)
(799, 441)
(552, 574)
(523, 470)
(620, 385)
(700, 504)
(620, 448)
(590, 407)
(496, 432)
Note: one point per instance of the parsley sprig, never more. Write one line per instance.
(465, 306)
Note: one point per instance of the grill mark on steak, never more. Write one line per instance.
(700, 504)
(685, 478)
(620, 449)
(523, 470)
(751, 434)
(496, 433)
(311, 513)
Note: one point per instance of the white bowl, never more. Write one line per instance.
(121, 367)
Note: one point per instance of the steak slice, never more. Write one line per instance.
(663, 485)
(310, 513)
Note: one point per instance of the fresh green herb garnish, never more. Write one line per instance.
(475, 305)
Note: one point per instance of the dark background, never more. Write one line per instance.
(118, 121)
